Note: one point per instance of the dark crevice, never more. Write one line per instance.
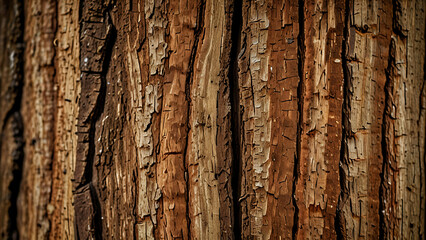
(98, 111)
(300, 95)
(346, 129)
(198, 31)
(235, 115)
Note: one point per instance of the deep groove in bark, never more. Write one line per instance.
(97, 113)
(300, 90)
(189, 79)
(235, 114)
(346, 108)
(99, 109)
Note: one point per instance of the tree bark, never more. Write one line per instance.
(212, 119)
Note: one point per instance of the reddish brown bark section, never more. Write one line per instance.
(317, 187)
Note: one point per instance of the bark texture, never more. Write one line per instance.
(212, 119)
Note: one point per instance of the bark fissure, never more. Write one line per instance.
(300, 90)
(346, 108)
(235, 115)
(98, 38)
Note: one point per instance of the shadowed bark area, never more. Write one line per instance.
(212, 119)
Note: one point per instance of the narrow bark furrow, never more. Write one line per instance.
(340, 227)
(300, 90)
(236, 130)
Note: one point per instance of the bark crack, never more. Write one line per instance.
(346, 108)
(235, 115)
(94, 90)
(300, 90)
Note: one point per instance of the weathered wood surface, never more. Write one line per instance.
(212, 119)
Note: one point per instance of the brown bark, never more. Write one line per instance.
(212, 119)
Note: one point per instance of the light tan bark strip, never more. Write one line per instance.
(67, 74)
(256, 125)
(404, 125)
(38, 113)
(204, 201)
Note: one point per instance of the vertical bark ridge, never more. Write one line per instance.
(183, 20)
(402, 177)
(255, 100)
(213, 233)
(282, 86)
(144, 99)
(366, 54)
(38, 114)
(205, 157)
(67, 75)
(318, 187)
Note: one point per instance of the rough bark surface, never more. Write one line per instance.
(404, 125)
(365, 58)
(212, 119)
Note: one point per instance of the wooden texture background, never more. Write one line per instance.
(212, 119)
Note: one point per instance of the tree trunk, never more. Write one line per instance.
(212, 119)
